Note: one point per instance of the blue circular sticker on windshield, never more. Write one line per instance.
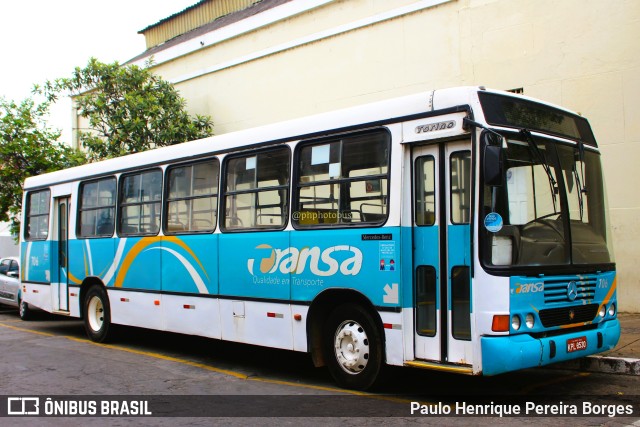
(493, 222)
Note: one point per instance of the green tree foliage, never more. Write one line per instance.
(27, 147)
(129, 109)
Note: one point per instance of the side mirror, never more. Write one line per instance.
(493, 165)
(492, 138)
(13, 274)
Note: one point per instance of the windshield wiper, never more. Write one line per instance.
(543, 162)
(579, 189)
(579, 177)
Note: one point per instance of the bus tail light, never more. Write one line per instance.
(500, 323)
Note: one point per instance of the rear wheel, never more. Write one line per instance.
(23, 309)
(353, 347)
(97, 315)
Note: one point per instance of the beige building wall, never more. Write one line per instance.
(581, 54)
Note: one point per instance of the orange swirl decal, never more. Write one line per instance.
(74, 279)
(142, 245)
(131, 256)
(86, 262)
(611, 291)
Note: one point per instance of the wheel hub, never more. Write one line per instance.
(351, 347)
(95, 313)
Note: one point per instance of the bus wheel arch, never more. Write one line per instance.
(96, 310)
(354, 324)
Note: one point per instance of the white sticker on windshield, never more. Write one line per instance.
(320, 154)
(334, 170)
(251, 163)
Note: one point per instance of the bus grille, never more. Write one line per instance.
(568, 315)
(555, 291)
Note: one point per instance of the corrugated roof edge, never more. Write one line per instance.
(168, 18)
(223, 21)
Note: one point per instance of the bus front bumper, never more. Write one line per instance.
(513, 352)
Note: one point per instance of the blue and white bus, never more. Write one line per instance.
(462, 230)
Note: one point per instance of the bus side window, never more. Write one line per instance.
(139, 204)
(37, 220)
(343, 181)
(96, 208)
(257, 190)
(192, 197)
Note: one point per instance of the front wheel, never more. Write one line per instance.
(353, 347)
(97, 315)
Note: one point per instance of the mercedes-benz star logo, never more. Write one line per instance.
(572, 291)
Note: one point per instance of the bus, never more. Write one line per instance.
(463, 230)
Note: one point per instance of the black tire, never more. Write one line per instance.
(353, 347)
(23, 309)
(97, 315)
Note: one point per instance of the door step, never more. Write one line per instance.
(61, 313)
(458, 369)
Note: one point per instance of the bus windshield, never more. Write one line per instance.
(551, 207)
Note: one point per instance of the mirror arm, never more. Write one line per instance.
(467, 123)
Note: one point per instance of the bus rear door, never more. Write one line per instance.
(60, 282)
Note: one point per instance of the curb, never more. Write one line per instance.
(604, 365)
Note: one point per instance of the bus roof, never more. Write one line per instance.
(291, 130)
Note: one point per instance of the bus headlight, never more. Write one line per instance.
(515, 322)
(603, 311)
(529, 320)
(612, 309)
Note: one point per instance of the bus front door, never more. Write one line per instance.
(442, 252)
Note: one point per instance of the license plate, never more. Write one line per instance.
(576, 344)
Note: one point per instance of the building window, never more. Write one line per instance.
(257, 190)
(97, 208)
(192, 197)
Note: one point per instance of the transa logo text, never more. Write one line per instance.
(320, 263)
(529, 288)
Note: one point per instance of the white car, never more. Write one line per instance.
(10, 290)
